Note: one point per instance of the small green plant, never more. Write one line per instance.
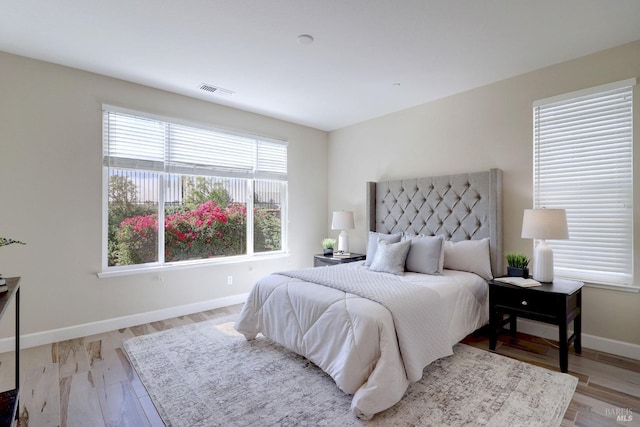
(328, 243)
(5, 241)
(517, 260)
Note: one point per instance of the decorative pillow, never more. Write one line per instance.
(426, 254)
(390, 257)
(469, 255)
(372, 243)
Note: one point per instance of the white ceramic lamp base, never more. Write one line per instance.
(543, 263)
(343, 242)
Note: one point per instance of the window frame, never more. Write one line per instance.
(595, 278)
(161, 264)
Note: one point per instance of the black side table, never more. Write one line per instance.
(320, 260)
(9, 398)
(558, 303)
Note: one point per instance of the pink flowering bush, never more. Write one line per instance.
(137, 240)
(204, 232)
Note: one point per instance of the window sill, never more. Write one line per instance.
(621, 288)
(601, 283)
(189, 264)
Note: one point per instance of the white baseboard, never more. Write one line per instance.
(55, 335)
(619, 348)
(593, 342)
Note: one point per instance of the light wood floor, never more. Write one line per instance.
(88, 381)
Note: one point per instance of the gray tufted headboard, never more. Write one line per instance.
(460, 207)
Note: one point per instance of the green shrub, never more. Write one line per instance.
(266, 230)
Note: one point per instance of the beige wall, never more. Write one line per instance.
(50, 170)
(51, 196)
(488, 127)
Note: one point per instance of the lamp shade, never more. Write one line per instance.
(544, 224)
(342, 220)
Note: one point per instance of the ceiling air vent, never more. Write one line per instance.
(215, 89)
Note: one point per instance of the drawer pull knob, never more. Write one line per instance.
(524, 303)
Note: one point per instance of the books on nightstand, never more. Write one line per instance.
(518, 281)
(3, 285)
(341, 254)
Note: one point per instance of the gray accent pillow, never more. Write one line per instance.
(469, 255)
(426, 254)
(372, 243)
(390, 257)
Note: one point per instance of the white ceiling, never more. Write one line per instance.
(362, 50)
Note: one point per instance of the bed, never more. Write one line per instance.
(374, 328)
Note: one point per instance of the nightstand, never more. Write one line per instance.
(320, 260)
(558, 303)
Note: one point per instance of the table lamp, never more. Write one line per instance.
(343, 220)
(544, 224)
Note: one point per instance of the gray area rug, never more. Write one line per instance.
(206, 374)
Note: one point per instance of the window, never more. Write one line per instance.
(583, 146)
(215, 193)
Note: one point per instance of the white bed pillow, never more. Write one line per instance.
(469, 255)
(426, 254)
(390, 257)
(372, 243)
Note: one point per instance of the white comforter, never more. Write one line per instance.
(354, 339)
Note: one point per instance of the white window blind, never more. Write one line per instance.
(583, 162)
(133, 142)
(142, 143)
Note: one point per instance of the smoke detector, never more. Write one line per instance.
(215, 89)
(304, 39)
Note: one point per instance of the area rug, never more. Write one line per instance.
(206, 374)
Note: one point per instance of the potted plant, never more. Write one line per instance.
(517, 264)
(5, 241)
(327, 245)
